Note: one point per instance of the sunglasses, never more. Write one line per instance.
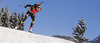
(39, 6)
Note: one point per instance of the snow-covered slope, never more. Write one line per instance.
(16, 36)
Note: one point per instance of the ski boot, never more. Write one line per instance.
(30, 29)
(17, 27)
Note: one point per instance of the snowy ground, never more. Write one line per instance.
(16, 36)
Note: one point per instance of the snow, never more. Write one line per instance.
(8, 35)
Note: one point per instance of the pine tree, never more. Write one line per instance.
(79, 31)
(11, 20)
(6, 14)
(0, 18)
(2, 10)
(3, 17)
(15, 20)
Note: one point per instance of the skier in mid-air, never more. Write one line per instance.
(31, 12)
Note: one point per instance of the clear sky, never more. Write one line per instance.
(58, 17)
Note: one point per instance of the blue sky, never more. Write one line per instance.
(58, 17)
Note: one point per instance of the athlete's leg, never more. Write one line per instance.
(26, 16)
(33, 18)
(23, 19)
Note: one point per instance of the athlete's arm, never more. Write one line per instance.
(28, 5)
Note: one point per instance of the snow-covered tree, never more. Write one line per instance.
(0, 18)
(13, 20)
(79, 31)
(6, 18)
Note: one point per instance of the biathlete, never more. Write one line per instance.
(31, 12)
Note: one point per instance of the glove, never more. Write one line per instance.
(25, 6)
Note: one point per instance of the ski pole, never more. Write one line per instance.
(21, 6)
(41, 2)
